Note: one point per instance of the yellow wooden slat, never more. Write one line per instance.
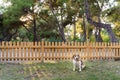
(119, 49)
(14, 51)
(69, 57)
(28, 56)
(52, 50)
(97, 50)
(39, 50)
(116, 50)
(35, 51)
(59, 50)
(10, 50)
(3, 49)
(25, 50)
(56, 50)
(32, 53)
(90, 51)
(8, 54)
(42, 51)
(111, 51)
(18, 50)
(22, 50)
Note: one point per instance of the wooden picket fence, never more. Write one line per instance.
(43, 51)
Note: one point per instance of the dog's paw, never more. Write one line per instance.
(80, 70)
(73, 69)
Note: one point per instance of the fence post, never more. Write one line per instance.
(42, 56)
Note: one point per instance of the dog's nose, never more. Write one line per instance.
(76, 58)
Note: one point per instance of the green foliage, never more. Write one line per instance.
(46, 23)
(92, 38)
(16, 10)
(105, 36)
(114, 14)
(117, 31)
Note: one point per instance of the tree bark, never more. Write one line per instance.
(107, 27)
(97, 32)
(98, 35)
(60, 27)
(84, 29)
(74, 29)
(34, 29)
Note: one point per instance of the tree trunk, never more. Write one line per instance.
(97, 32)
(74, 29)
(98, 35)
(60, 27)
(1, 20)
(34, 29)
(84, 29)
(107, 27)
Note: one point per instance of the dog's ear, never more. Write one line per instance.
(78, 55)
(73, 56)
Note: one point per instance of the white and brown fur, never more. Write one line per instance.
(77, 63)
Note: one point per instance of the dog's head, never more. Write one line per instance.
(76, 57)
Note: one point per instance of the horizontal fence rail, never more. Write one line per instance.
(43, 51)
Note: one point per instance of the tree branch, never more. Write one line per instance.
(107, 27)
(61, 31)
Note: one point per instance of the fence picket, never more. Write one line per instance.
(7, 56)
(3, 49)
(10, 50)
(14, 50)
(39, 51)
(118, 53)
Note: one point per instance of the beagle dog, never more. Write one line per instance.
(77, 63)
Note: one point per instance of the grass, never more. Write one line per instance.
(96, 70)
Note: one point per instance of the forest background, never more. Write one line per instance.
(60, 20)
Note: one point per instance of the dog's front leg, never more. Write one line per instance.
(80, 67)
(74, 65)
